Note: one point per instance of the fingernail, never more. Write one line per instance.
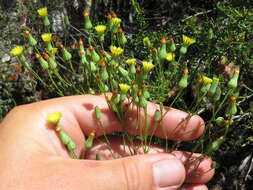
(168, 174)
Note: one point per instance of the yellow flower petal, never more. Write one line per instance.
(170, 56)
(124, 87)
(206, 80)
(187, 41)
(116, 51)
(18, 50)
(42, 11)
(54, 118)
(46, 37)
(53, 51)
(116, 20)
(147, 66)
(100, 29)
(130, 61)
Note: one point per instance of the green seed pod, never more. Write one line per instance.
(232, 108)
(113, 62)
(146, 93)
(103, 87)
(183, 50)
(32, 40)
(84, 60)
(219, 121)
(123, 71)
(162, 53)
(183, 83)
(64, 137)
(93, 67)
(87, 23)
(217, 95)
(172, 47)
(214, 86)
(157, 115)
(132, 69)
(143, 102)
(46, 21)
(116, 99)
(43, 63)
(215, 145)
(52, 63)
(104, 74)
(89, 142)
(123, 96)
(49, 47)
(66, 55)
(205, 88)
(122, 39)
(22, 58)
(95, 57)
(233, 81)
(71, 145)
(98, 112)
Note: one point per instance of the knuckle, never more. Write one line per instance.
(133, 175)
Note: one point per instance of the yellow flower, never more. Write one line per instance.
(146, 39)
(116, 20)
(42, 11)
(54, 118)
(205, 80)
(53, 51)
(124, 87)
(187, 41)
(147, 66)
(116, 51)
(100, 29)
(46, 37)
(130, 61)
(170, 56)
(17, 51)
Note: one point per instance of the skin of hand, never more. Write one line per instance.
(32, 156)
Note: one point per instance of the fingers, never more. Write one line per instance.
(149, 172)
(198, 168)
(176, 124)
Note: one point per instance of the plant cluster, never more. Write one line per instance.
(99, 63)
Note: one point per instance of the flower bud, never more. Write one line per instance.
(214, 86)
(54, 118)
(89, 142)
(65, 139)
(98, 112)
(66, 55)
(233, 83)
(183, 50)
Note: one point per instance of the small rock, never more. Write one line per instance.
(6, 57)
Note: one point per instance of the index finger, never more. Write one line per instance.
(175, 125)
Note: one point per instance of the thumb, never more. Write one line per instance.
(149, 172)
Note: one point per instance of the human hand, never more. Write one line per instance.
(32, 156)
